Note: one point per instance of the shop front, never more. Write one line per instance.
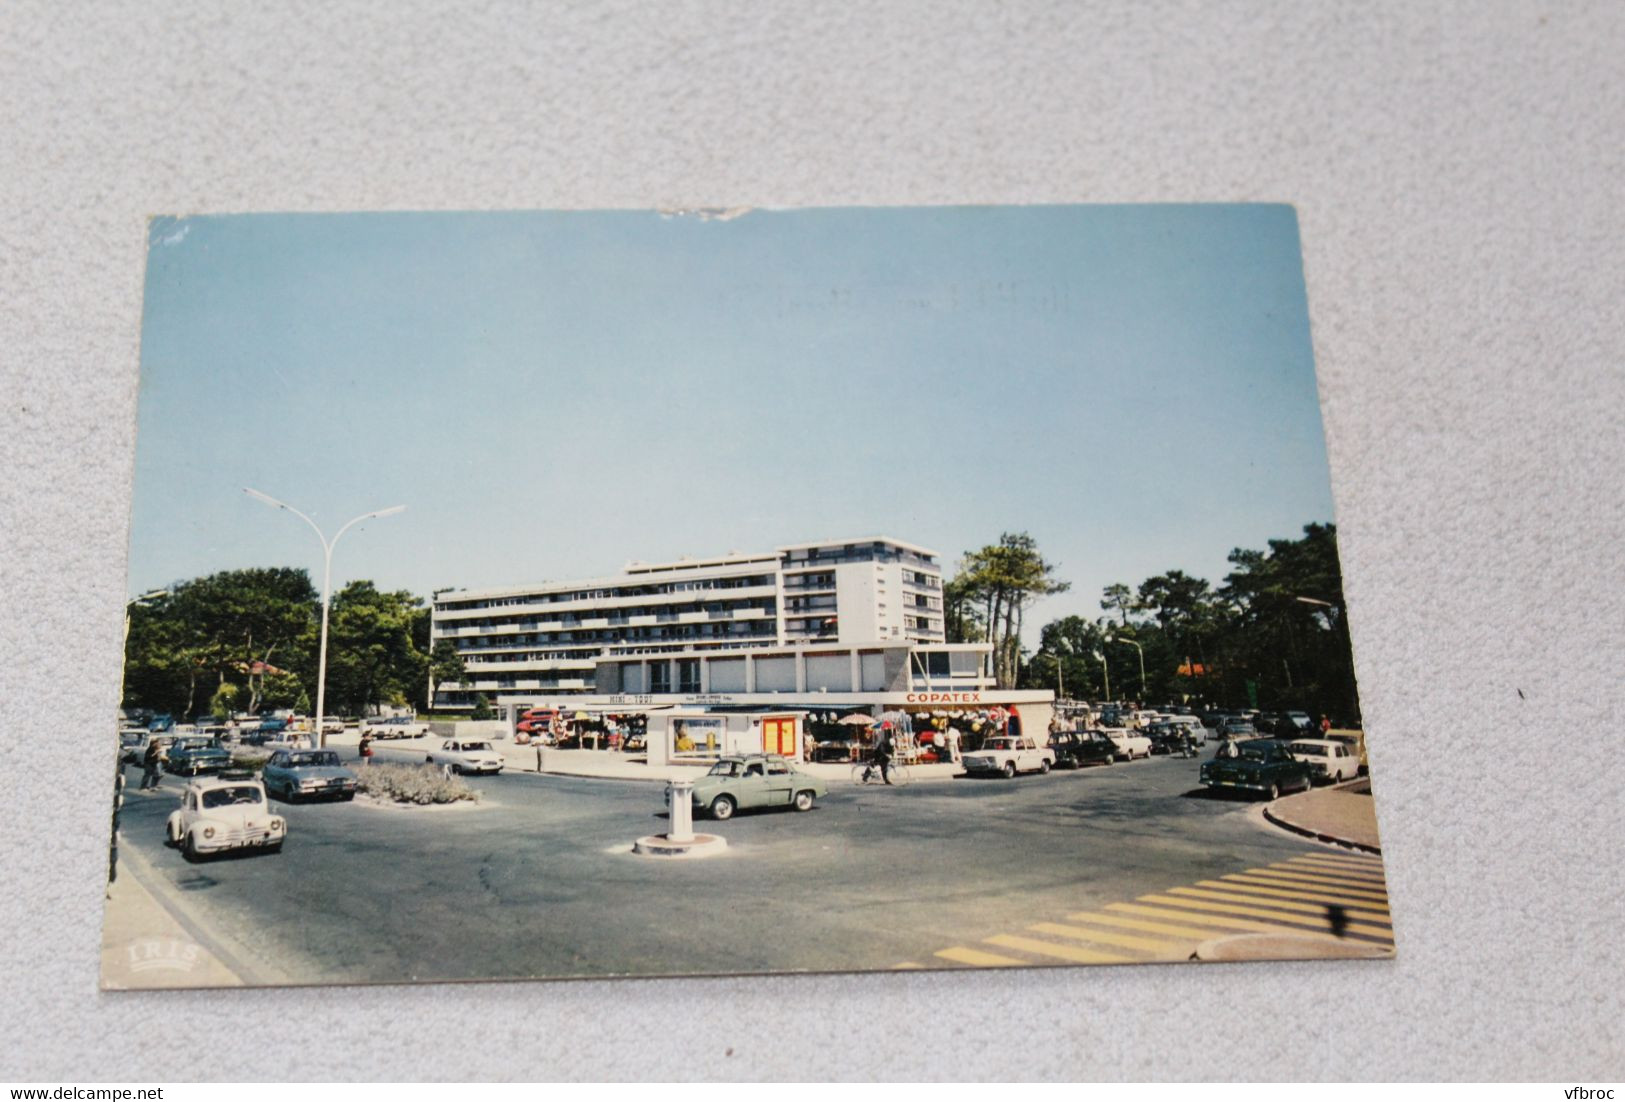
(698, 736)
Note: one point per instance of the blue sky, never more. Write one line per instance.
(553, 394)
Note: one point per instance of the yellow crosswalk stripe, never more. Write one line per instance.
(1352, 858)
(1223, 922)
(1141, 924)
(1060, 952)
(1330, 880)
(1288, 890)
(1106, 937)
(905, 966)
(961, 955)
(1352, 895)
(1327, 864)
(1200, 919)
(1213, 901)
(1288, 901)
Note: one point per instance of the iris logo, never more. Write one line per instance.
(162, 954)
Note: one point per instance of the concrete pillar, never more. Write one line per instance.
(681, 825)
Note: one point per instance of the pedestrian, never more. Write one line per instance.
(882, 756)
(153, 761)
(538, 755)
(366, 749)
(953, 737)
(1325, 724)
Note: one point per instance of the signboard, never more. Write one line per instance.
(944, 698)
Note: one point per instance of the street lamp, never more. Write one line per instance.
(327, 591)
(1106, 672)
(1136, 646)
(1060, 681)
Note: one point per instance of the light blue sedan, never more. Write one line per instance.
(305, 774)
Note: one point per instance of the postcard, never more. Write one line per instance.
(640, 593)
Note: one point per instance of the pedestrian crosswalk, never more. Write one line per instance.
(1321, 903)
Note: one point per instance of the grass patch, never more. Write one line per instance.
(413, 784)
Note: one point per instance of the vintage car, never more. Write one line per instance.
(223, 812)
(1355, 740)
(394, 727)
(306, 774)
(1257, 765)
(196, 754)
(466, 756)
(1130, 743)
(748, 781)
(1328, 759)
(1074, 749)
(1237, 729)
(132, 743)
(1007, 755)
(1198, 732)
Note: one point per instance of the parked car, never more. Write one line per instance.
(1355, 740)
(194, 755)
(300, 774)
(132, 743)
(1238, 729)
(1008, 755)
(1198, 732)
(1074, 749)
(746, 781)
(1300, 720)
(224, 812)
(466, 756)
(391, 727)
(1328, 759)
(1130, 743)
(1257, 765)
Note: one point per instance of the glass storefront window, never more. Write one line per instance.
(697, 739)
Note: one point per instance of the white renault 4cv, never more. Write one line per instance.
(226, 811)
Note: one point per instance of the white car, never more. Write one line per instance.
(1130, 743)
(1008, 755)
(394, 727)
(1328, 759)
(1198, 732)
(225, 811)
(466, 756)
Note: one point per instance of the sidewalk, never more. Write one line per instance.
(1344, 814)
(144, 946)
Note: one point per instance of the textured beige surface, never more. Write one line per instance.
(1457, 171)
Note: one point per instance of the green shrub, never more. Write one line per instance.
(252, 760)
(413, 784)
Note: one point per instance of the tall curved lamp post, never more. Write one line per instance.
(327, 591)
(1136, 646)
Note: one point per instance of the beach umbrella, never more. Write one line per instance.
(857, 719)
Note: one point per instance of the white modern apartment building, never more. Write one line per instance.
(547, 640)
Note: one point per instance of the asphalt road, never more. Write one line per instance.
(538, 881)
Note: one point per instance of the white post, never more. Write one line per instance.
(680, 828)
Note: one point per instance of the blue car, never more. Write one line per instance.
(191, 755)
(308, 774)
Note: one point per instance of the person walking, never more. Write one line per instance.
(366, 749)
(953, 736)
(1325, 725)
(152, 760)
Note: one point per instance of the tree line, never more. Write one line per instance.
(247, 640)
(1272, 635)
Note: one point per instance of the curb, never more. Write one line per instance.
(1319, 836)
